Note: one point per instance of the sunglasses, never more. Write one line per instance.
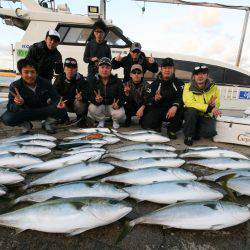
(70, 62)
(136, 71)
(203, 67)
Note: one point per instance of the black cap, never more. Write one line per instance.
(200, 69)
(70, 62)
(104, 61)
(53, 34)
(135, 47)
(167, 62)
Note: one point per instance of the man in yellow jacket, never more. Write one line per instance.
(201, 98)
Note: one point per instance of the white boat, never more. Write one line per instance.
(76, 29)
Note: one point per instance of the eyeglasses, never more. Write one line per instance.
(136, 71)
(201, 67)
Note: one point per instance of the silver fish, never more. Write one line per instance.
(86, 146)
(90, 130)
(141, 137)
(42, 143)
(84, 150)
(74, 172)
(213, 153)
(137, 154)
(3, 190)
(236, 172)
(75, 189)
(143, 146)
(19, 149)
(241, 185)
(149, 163)
(197, 148)
(173, 191)
(79, 215)
(10, 176)
(151, 175)
(18, 160)
(135, 132)
(28, 138)
(62, 162)
(207, 215)
(222, 163)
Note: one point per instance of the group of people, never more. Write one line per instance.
(101, 95)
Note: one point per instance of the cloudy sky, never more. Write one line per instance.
(207, 32)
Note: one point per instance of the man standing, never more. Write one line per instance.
(46, 55)
(202, 101)
(96, 49)
(134, 91)
(33, 98)
(106, 96)
(73, 87)
(135, 56)
(164, 101)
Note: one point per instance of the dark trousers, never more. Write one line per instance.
(154, 116)
(17, 118)
(130, 109)
(79, 108)
(198, 125)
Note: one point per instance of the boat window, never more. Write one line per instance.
(62, 31)
(113, 40)
(236, 78)
(77, 35)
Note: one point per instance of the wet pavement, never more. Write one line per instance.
(143, 236)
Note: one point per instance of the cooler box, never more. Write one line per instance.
(234, 130)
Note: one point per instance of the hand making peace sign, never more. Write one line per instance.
(78, 95)
(17, 97)
(115, 104)
(98, 97)
(61, 104)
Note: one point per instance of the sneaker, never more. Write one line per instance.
(188, 141)
(116, 125)
(171, 135)
(48, 127)
(101, 124)
(26, 127)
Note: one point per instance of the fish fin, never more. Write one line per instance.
(106, 155)
(216, 227)
(77, 231)
(54, 198)
(138, 200)
(127, 228)
(19, 230)
(223, 181)
(165, 227)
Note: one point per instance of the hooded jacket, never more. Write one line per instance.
(47, 60)
(127, 62)
(113, 90)
(94, 49)
(67, 88)
(170, 90)
(193, 97)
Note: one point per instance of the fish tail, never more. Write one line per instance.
(223, 181)
(128, 227)
(106, 155)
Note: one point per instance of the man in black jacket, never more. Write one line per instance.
(46, 55)
(164, 101)
(134, 93)
(96, 48)
(106, 96)
(73, 87)
(135, 56)
(33, 98)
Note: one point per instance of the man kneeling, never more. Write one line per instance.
(202, 100)
(106, 96)
(33, 98)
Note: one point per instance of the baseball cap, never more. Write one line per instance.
(53, 34)
(200, 69)
(104, 61)
(167, 62)
(70, 62)
(135, 46)
(136, 66)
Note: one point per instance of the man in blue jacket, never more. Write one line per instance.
(33, 98)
